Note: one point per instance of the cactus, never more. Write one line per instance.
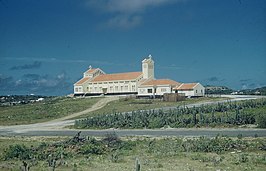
(137, 165)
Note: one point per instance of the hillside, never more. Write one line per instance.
(256, 91)
(212, 89)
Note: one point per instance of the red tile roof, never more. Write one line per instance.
(81, 81)
(91, 70)
(117, 76)
(186, 86)
(161, 82)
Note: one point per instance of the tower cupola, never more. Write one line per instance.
(148, 68)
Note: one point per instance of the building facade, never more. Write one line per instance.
(190, 89)
(95, 81)
(157, 88)
(143, 83)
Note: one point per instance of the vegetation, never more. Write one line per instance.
(131, 104)
(139, 153)
(209, 89)
(23, 111)
(222, 114)
(48, 109)
(256, 91)
(20, 99)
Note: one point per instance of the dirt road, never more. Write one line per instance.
(179, 132)
(101, 103)
(59, 123)
(57, 127)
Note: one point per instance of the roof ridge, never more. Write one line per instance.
(117, 76)
(123, 73)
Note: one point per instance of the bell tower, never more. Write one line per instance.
(148, 68)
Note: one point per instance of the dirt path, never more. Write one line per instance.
(57, 127)
(59, 123)
(101, 103)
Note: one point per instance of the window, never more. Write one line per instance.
(196, 91)
(133, 88)
(126, 88)
(150, 90)
(163, 89)
(111, 88)
(201, 91)
(76, 89)
(142, 90)
(122, 88)
(116, 88)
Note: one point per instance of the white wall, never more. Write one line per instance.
(148, 68)
(78, 90)
(160, 90)
(187, 93)
(198, 90)
(112, 86)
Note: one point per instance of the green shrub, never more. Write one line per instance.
(222, 114)
(92, 149)
(112, 140)
(261, 120)
(17, 151)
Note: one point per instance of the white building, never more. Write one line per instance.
(95, 81)
(157, 88)
(190, 89)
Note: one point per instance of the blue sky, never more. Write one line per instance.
(46, 45)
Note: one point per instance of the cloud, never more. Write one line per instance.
(126, 14)
(57, 60)
(245, 80)
(42, 82)
(124, 21)
(170, 67)
(5, 81)
(127, 6)
(37, 84)
(34, 65)
(213, 79)
(250, 85)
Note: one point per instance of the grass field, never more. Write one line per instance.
(159, 154)
(131, 104)
(229, 114)
(57, 107)
(49, 109)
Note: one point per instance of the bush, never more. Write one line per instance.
(92, 149)
(261, 120)
(17, 151)
(112, 140)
